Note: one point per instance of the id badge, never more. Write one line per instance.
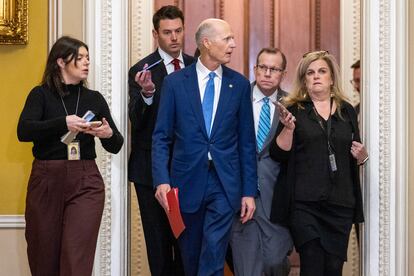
(74, 150)
(332, 162)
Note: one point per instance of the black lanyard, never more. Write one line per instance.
(327, 131)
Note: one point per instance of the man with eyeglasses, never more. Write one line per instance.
(356, 80)
(259, 246)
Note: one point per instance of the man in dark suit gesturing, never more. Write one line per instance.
(259, 246)
(205, 124)
(144, 93)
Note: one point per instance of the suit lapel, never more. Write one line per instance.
(193, 92)
(159, 70)
(272, 132)
(225, 95)
(158, 73)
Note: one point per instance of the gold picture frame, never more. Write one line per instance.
(13, 21)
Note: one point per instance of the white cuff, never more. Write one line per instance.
(148, 100)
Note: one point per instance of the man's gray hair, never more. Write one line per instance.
(205, 29)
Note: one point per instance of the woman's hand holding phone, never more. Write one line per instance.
(285, 117)
(95, 124)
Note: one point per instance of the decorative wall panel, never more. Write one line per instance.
(295, 26)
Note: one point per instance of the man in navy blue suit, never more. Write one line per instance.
(204, 144)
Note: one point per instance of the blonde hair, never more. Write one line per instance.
(299, 92)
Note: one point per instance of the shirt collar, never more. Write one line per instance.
(204, 71)
(167, 58)
(258, 95)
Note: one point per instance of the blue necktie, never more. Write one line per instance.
(208, 101)
(264, 124)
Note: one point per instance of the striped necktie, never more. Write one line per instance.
(264, 124)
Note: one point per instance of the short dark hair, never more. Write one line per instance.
(166, 12)
(66, 48)
(271, 50)
(356, 65)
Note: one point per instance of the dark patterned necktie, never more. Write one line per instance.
(176, 63)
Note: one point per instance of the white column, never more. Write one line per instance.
(107, 37)
(385, 78)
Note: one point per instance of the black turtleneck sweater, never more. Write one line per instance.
(43, 122)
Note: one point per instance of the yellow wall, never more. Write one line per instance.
(21, 68)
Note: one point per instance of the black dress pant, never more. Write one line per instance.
(64, 206)
(164, 257)
(316, 261)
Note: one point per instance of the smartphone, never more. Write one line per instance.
(151, 66)
(88, 116)
(281, 107)
(95, 124)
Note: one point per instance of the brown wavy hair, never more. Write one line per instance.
(66, 48)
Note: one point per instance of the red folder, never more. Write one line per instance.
(174, 215)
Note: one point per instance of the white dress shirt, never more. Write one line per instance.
(258, 102)
(202, 76)
(167, 60)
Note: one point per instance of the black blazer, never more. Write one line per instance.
(143, 117)
(283, 197)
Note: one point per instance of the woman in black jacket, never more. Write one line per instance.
(65, 194)
(318, 140)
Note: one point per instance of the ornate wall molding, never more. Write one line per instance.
(105, 77)
(384, 134)
(385, 63)
(356, 29)
(219, 7)
(141, 44)
(140, 29)
(350, 44)
(350, 32)
(272, 23)
(106, 34)
(317, 24)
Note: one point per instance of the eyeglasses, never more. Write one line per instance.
(319, 53)
(273, 70)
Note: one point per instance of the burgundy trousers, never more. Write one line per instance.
(64, 206)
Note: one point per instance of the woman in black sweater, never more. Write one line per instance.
(65, 194)
(318, 140)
